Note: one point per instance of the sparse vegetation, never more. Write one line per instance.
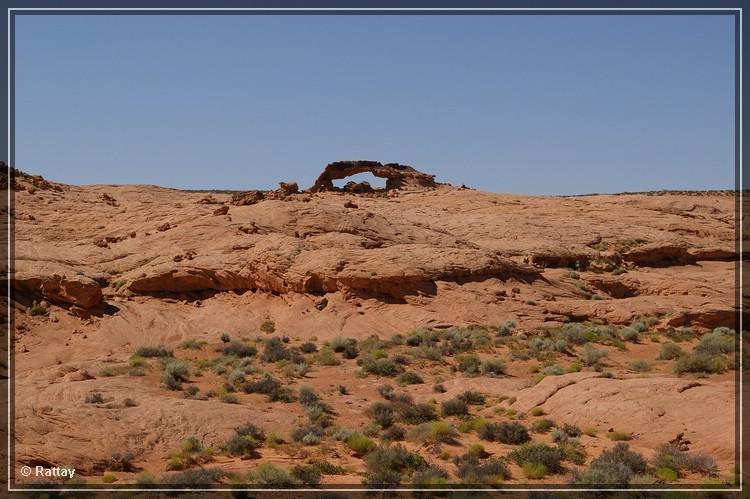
(508, 433)
(148, 351)
(538, 454)
(175, 373)
(245, 441)
(615, 466)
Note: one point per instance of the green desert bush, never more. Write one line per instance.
(472, 470)
(148, 351)
(454, 407)
(326, 357)
(175, 373)
(238, 348)
(409, 378)
(669, 351)
(430, 476)
(537, 453)
(393, 433)
(469, 364)
(411, 413)
(382, 414)
(360, 444)
(379, 367)
(245, 441)
(472, 397)
(492, 367)
(308, 435)
(542, 425)
(434, 432)
(388, 463)
(591, 356)
(701, 363)
(719, 341)
(269, 475)
(670, 456)
(508, 433)
(308, 347)
(615, 466)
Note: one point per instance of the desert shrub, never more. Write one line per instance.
(307, 395)
(268, 326)
(146, 351)
(506, 328)
(382, 413)
(492, 367)
(128, 402)
(266, 385)
(429, 352)
(120, 461)
(454, 407)
(537, 411)
(434, 432)
(386, 391)
(615, 466)
(411, 413)
(229, 398)
(472, 397)
(641, 366)
(553, 370)
(309, 435)
(274, 350)
(669, 351)
(619, 436)
(193, 477)
(306, 475)
(225, 338)
(387, 463)
(630, 334)
(175, 373)
(192, 344)
(574, 367)
(720, 340)
(308, 347)
(592, 356)
(346, 346)
(109, 478)
(37, 309)
(410, 378)
(360, 443)
(394, 433)
(439, 388)
(469, 364)
(572, 333)
(508, 433)
(236, 377)
(543, 454)
(670, 456)
(191, 392)
(326, 357)
(272, 476)
(94, 398)
(472, 470)
(701, 363)
(534, 471)
(468, 425)
(379, 367)
(236, 347)
(542, 425)
(573, 451)
(430, 476)
(246, 439)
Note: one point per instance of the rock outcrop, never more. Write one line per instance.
(398, 176)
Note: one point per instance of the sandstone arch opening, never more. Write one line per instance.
(397, 176)
(360, 182)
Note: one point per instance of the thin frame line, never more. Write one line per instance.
(377, 9)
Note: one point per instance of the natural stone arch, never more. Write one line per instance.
(397, 176)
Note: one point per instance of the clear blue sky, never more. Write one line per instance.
(527, 104)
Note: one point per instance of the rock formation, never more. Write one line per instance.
(398, 176)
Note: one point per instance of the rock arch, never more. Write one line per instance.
(397, 176)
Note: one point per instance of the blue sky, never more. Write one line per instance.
(527, 104)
